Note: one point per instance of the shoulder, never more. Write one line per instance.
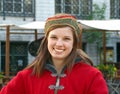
(15, 84)
(88, 73)
(89, 77)
(86, 68)
(23, 74)
(21, 77)
(25, 71)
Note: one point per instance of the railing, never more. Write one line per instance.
(114, 84)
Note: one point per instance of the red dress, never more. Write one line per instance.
(83, 79)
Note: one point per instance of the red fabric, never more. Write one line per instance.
(83, 79)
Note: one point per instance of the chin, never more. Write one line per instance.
(59, 58)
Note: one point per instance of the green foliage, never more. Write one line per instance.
(1, 75)
(108, 70)
(97, 14)
(93, 36)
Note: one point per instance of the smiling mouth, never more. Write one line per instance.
(58, 50)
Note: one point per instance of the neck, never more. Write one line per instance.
(59, 64)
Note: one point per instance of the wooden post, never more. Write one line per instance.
(35, 34)
(7, 58)
(80, 37)
(104, 46)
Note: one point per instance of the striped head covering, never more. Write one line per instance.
(62, 20)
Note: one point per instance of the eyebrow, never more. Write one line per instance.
(56, 35)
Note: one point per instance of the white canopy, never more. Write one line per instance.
(4, 25)
(107, 25)
(113, 25)
(33, 25)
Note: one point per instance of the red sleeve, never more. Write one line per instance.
(15, 86)
(98, 85)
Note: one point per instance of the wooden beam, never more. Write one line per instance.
(35, 34)
(80, 37)
(104, 46)
(7, 58)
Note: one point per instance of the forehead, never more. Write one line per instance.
(63, 30)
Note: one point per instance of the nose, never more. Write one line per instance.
(59, 42)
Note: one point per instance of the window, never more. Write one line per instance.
(115, 9)
(17, 7)
(109, 55)
(0, 6)
(118, 52)
(28, 6)
(13, 6)
(79, 8)
(18, 56)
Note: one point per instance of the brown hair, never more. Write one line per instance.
(39, 63)
(43, 55)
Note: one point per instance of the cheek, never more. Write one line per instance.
(50, 44)
(70, 46)
(49, 47)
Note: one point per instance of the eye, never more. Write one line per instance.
(67, 38)
(53, 37)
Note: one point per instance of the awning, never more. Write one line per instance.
(33, 25)
(108, 25)
(5, 25)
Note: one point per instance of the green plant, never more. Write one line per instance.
(108, 70)
(98, 13)
(1, 75)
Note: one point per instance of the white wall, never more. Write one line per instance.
(93, 53)
(44, 9)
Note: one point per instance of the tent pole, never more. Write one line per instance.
(80, 37)
(104, 47)
(7, 58)
(35, 34)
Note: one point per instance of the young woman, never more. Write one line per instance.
(59, 67)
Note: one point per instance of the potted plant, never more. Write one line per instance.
(108, 70)
(1, 77)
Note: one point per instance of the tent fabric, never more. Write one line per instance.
(33, 25)
(107, 25)
(110, 25)
(4, 25)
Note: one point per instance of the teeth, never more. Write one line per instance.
(57, 50)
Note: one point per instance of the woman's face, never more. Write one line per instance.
(60, 42)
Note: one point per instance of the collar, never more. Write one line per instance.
(49, 66)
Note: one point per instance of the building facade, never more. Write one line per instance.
(24, 11)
